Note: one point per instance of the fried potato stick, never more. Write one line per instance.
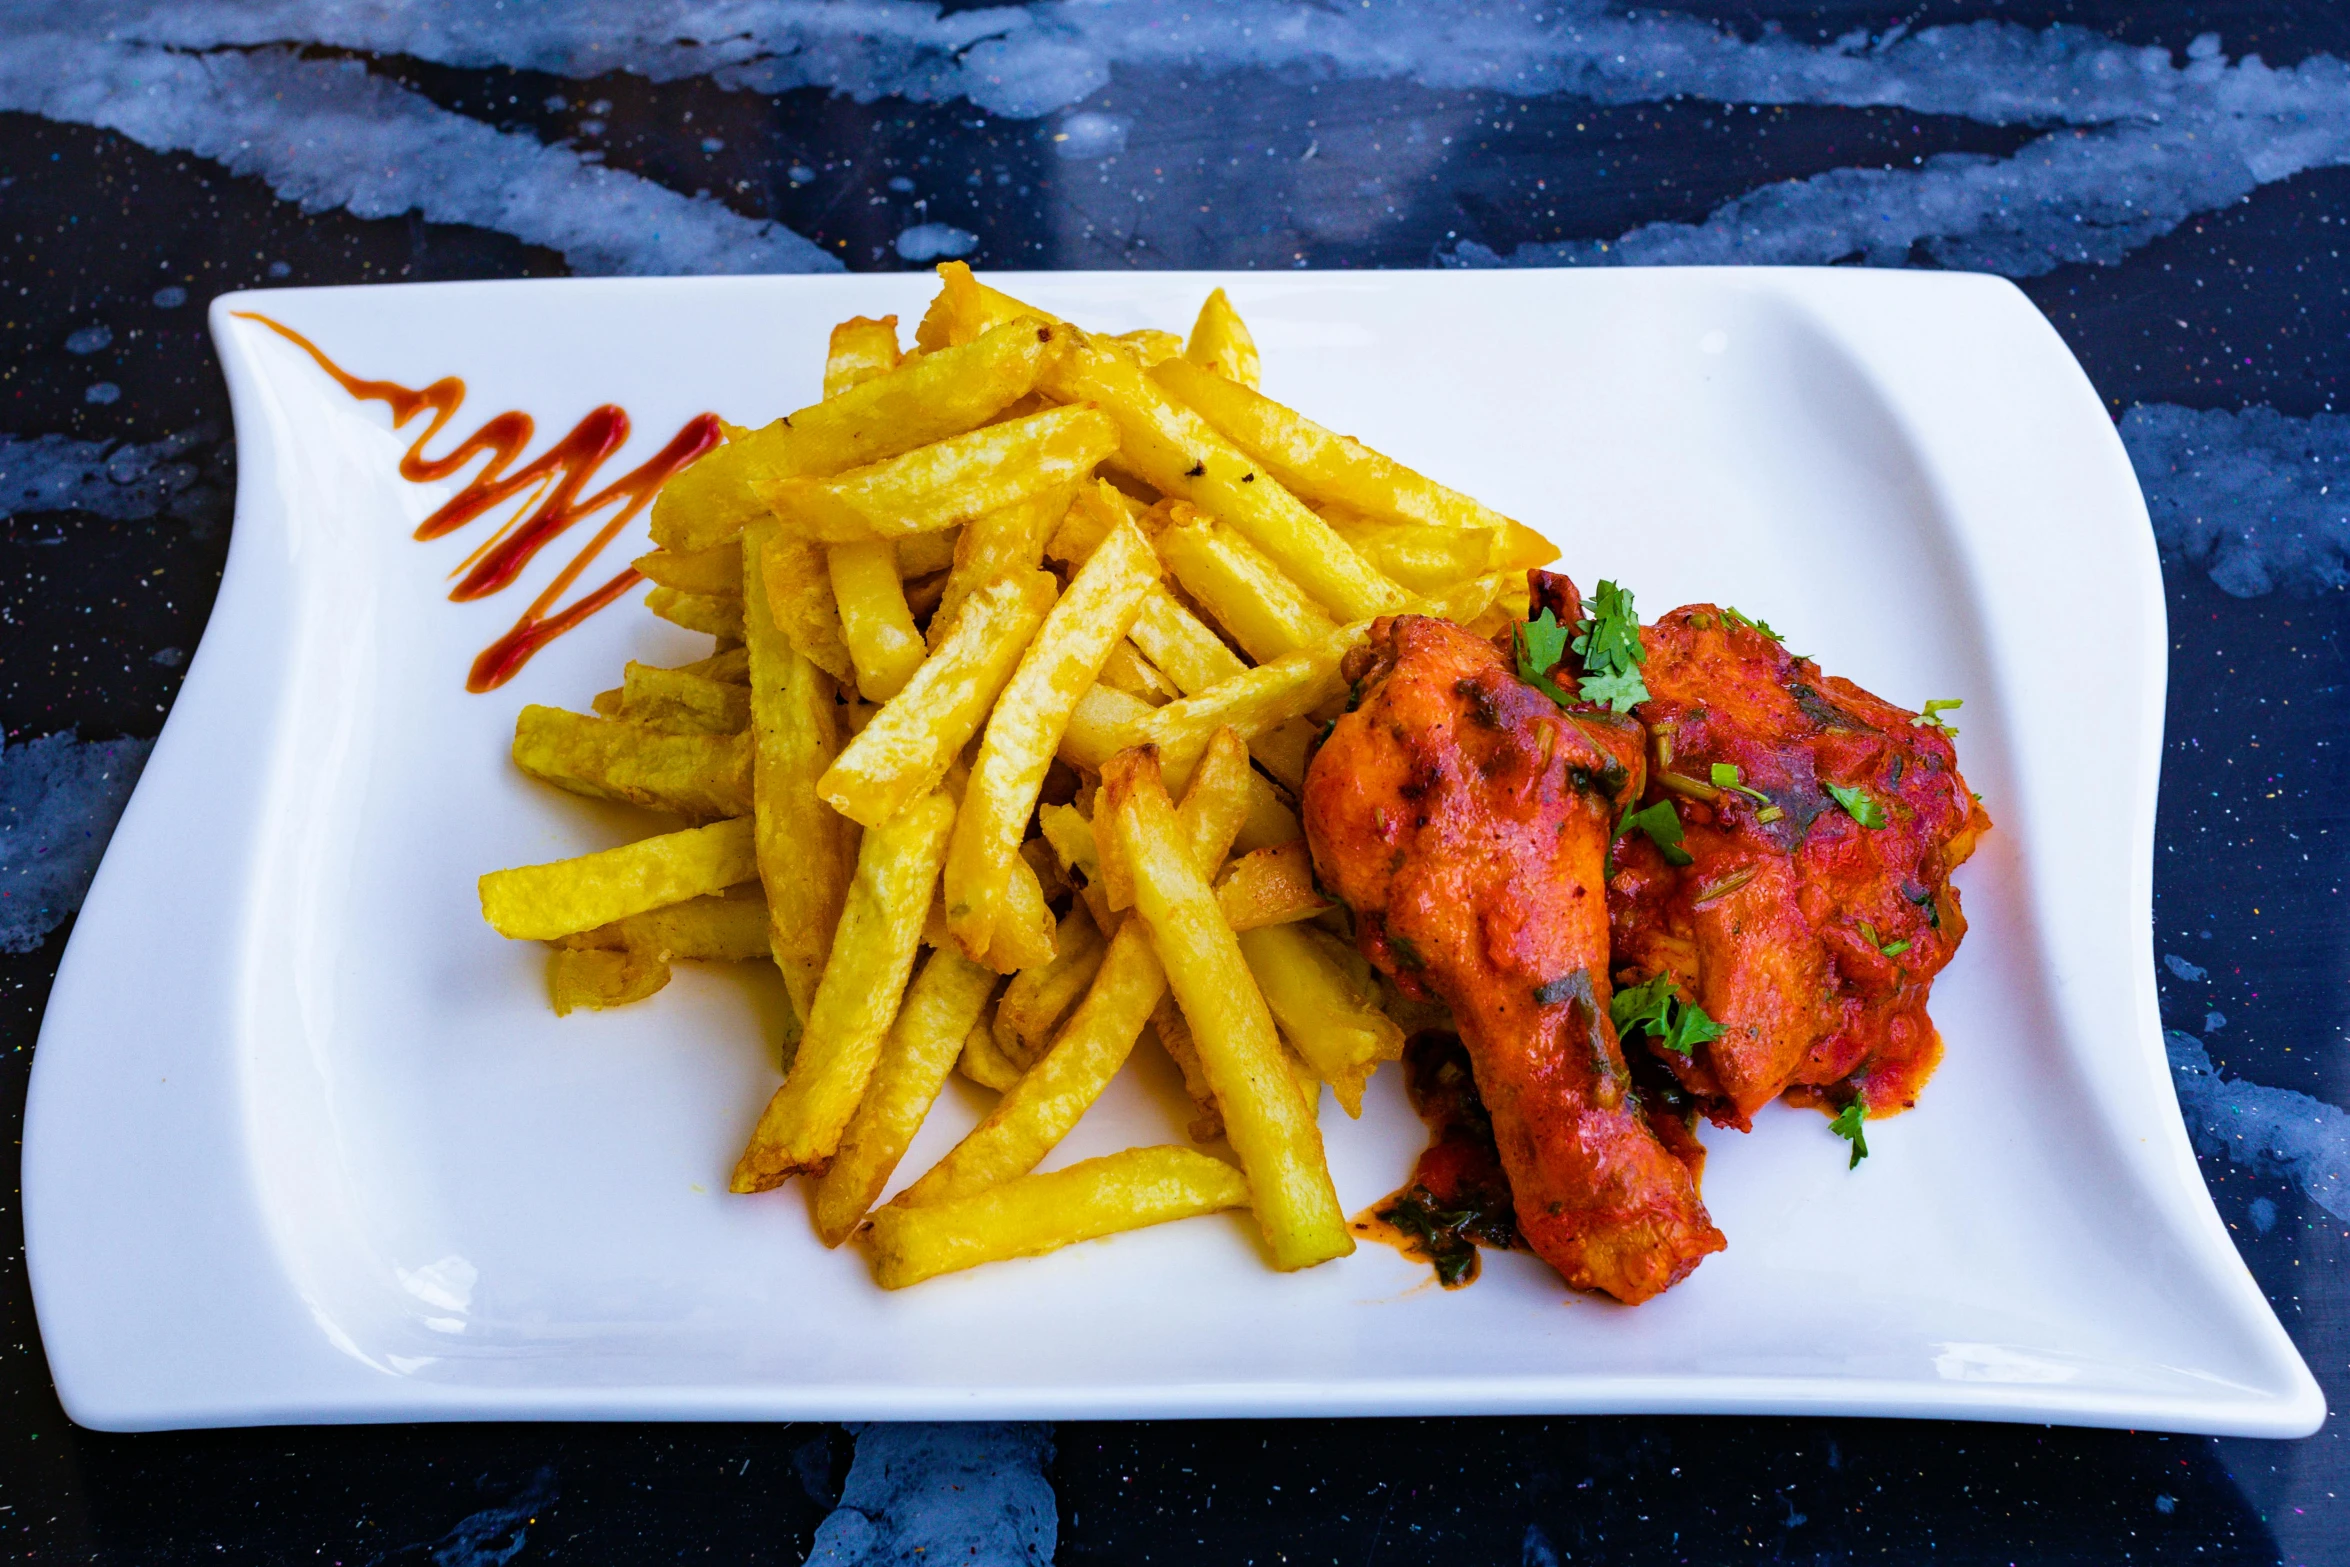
(1326, 1006)
(874, 620)
(856, 1001)
(564, 897)
(861, 348)
(708, 612)
(803, 850)
(1230, 578)
(1270, 887)
(949, 482)
(1005, 542)
(1038, 1110)
(695, 775)
(905, 749)
(1221, 342)
(680, 701)
(1025, 729)
(1041, 1213)
(717, 570)
(720, 929)
(928, 398)
(941, 1008)
(1268, 1124)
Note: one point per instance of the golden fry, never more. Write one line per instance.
(601, 977)
(920, 554)
(874, 619)
(940, 1010)
(1035, 1001)
(695, 775)
(1220, 341)
(1041, 1213)
(1025, 729)
(1098, 508)
(1174, 1036)
(682, 702)
(948, 482)
(717, 570)
(1181, 644)
(1258, 607)
(1321, 994)
(722, 929)
(861, 349)
(1269, 1126)
(717, 615)
(928, 398)
(803, 849)
(906, 748)
(1024, 933)
(982, 1060)
(544, 902)
(1253, 702)
(1128, 671)
(1270, 887)
(798, 579)
(1005, 543)
(856, 1001)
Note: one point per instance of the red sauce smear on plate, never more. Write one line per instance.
(557, 476)
(1458, 1199)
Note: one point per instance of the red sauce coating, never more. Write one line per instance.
(556, 477)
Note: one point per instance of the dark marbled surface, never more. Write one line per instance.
(2177, 207)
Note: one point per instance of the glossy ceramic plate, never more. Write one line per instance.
(306, 1144)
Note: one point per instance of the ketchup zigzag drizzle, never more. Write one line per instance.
(562, 471)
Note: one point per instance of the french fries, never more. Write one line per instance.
(1232, 1028)
(978, 611)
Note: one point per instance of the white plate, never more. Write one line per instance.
(305, 1142)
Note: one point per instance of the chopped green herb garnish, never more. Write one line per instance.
(1609, 642)
(1730, 613)
(1847, 1125)
(1663, 825)
(1542, 642)
(1894, 949)
(1858, 805)
(1769, 813)
(1726, 777)
(1652, 1005)
(1932, 716)
(1889, 949)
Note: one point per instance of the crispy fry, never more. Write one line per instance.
(1420, 557)
(940, 1010)
(1128, 671)
(682, 702)
(717, 615)
(1270, 1128)
(1180, 455)
(1005, 542)
(906, 748)
(1321, 994)
(1253, 702)
(1025, 729)
(861, 349)
(929, 398)
(803, 851)
(1098, 508)
(695, 775)
(601, 977)
(544, 902)
(874, 619)
(1174, 1036)
(983, 1061)
(1270, 887)
(1282, 751)
(1071, 836)
(1035, 1001)
(1024, 933)
(726, 929)
(1041, 1213)
(1038, 1110)
(920, 554)
(856, 1001)
(948, 482)
(1258, 607)
(1148, 345)
(1181, 644)
(798, 579)
(732, 666)
(717, 570)
(1316, 464)
(1220, 341)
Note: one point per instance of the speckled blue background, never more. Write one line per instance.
(2169, 181)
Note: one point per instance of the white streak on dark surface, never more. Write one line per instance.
(2272, 1130)
(966, 1493)
(326, 134)
(2258, 499)
(124, 482)
(59, 799)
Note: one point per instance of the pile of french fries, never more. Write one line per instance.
(1023, 642)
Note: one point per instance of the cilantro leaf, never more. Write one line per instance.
(1847, 1125)
(1651, 1005)
(1542, 642)
(1858, 805)
(1931, 718)
(1663, 825)
(1730, 613)
(1726, 776)
(1609, 643)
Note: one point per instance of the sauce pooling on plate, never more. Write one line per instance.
(1458, 1199)
(558, 474)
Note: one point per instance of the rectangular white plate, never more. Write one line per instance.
(305, 1142)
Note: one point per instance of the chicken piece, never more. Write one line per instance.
(1809, 934)
(1464, 819)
